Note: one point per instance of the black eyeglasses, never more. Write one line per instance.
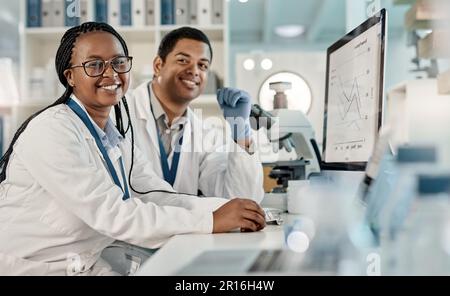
(97, 67)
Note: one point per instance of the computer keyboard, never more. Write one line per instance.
(273, 216)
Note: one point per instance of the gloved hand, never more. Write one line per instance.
(236, 106)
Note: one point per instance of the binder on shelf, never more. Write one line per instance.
(84, 11)
(58, 13)
(114, 12)
(181, 12)
(47, 13)
(167, 12)
(125, 12)
(217, 12)
(204, 12)
(73, 13)
(193, 19)
(101, 11)
(138, 13)
(150, 12)
(34, 13)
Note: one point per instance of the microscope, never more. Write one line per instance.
(289, 130)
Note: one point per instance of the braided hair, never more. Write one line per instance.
(62, 63)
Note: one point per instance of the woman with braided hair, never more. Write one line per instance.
(72, 182)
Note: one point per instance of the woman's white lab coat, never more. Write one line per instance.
(218, 170)
(59, 207)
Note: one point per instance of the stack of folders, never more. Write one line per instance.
(56, 13)
(173, 12)
(137, 13)
(192, 12)
(69, 13)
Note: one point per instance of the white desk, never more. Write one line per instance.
(181, 249)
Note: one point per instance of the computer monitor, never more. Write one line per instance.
(354, 95)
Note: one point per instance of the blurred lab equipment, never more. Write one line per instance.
(289, 130)
(292, 131)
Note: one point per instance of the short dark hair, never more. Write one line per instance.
(170, 40)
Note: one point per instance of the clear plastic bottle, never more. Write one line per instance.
(396, 206)
(423, 243)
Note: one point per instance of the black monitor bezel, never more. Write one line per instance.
(380, 17)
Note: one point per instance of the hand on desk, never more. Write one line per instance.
(239, 213)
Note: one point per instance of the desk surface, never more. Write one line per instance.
(181, 249)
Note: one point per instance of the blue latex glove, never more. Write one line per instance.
(236, 106)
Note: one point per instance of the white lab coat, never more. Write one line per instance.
(59, 207)
(224, 170)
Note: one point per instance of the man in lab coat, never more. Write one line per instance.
(181, 148)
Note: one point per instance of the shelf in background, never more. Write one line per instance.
(45, 34)
(146, 33)
(138, 34)
(214, 32)
(132, 34)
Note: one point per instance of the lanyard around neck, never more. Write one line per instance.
(169, 174)
(87, 122)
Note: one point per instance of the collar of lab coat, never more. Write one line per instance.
(158, 112)
(143, 112)
(113, 135)
(110, 136)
